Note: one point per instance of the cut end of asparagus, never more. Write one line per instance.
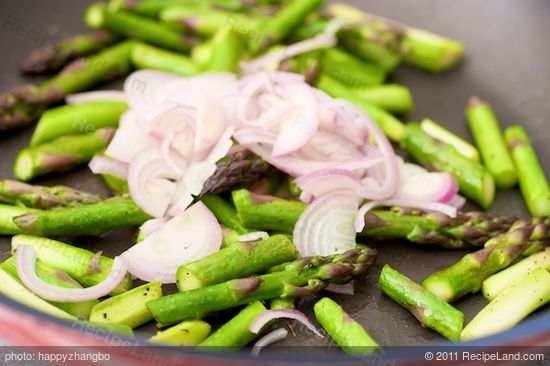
(511, 306)
(23, 168)
(439, 289)
(506, 178)
(95, 15)
(541, 206)
(440, 133)
(186, 280)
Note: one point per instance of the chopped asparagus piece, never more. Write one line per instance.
(145, 56)
(467, 275)
(22, 194)
(299, 278)
(488, 137)
(498, 283)
(52, 57)
(532, 181)
(56, 277)
(473, 178)
(430, 310)
(236, 332)
(129, 307)
(77, 119)
(60, 154)
(348, 334)
(81, 264)
(511, 306)
(438, 132)
(236, 261)
(186, 333)
(93, 219)
(11, 288)
(121, 22)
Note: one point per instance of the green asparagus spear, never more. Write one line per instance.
(239, 260)
(430, 310)
(22, 194)
(267, 212)
(60, 154)
(498, 283)
(56, 277)
(93, 219)
(86, 267)
(228, 47)
(425, 50)
(54, 56)
(186, 333)
(295, 279)
(22, 105)
(207, 21)
(488, 137)
(236, 332)
(438, 132)
(391, 126)
(532, 181)
(230, 237)
(129, 307)
(511, 306)
(224, 211)
(467, 275)
(152, 8)
(356, 43)
(145, 56)
(77, 119)
(117, 185)
(11, 288)
(470, 229)
(131, 25)
(7, 213)
(350, 70)
(473, 178)
(348, 334)
(286, 20)
(148, 8)
(394, 98)
(234, 170)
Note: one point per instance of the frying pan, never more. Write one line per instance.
(506, 64)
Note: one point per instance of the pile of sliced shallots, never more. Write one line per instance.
(177, 128)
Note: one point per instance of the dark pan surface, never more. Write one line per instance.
(506, 64)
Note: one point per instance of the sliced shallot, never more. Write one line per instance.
(192, 235)
(269, 338)
(105, 165)
(25, 258)
(269, 315)
(93, 96)
(326, 225)
(428, 187)
(324, 181)
(256, 235)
